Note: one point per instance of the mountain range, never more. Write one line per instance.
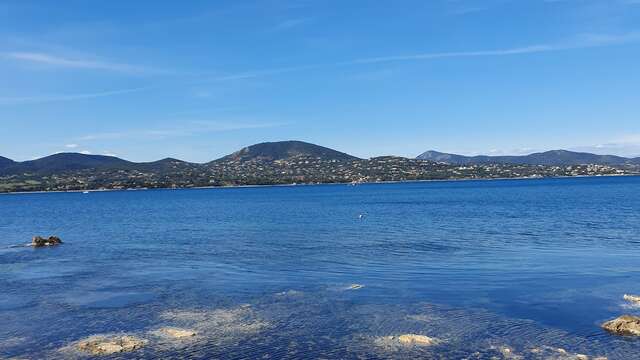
(268, 151)
(553, 157)
(273, 151)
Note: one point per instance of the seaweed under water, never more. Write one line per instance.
(321, 324)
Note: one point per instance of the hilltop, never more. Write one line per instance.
(62, 162)
(282, 150)
(4, 162)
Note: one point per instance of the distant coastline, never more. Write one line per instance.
(287, 163)
(316, 184)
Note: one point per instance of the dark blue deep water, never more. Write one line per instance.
(490, 268)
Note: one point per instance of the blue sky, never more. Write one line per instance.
(199, 79)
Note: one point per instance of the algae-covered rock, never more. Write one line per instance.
(107, 345)
(623, 325)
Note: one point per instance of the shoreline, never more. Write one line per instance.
(316, 184)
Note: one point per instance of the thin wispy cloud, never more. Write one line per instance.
(461, 7)
(290, 23)
(259, 73)
(432, 56)
(627, 145)
(51, 60)
(467, 10)
(583, 41)
(202, 94)
(66, 97)
(629, 139)
(579, 42)
(191, 128)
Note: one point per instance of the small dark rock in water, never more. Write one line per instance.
(39, 241)
(624, 325)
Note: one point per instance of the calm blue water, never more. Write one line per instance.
(479, 265)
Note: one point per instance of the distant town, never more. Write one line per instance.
(290, 162)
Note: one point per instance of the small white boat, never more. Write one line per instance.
(85, 192)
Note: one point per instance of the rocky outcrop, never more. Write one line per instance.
(107, 345)
(39, 241)
(623, 325)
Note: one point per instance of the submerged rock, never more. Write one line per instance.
(355, 287)
(624, 325)
(177, 333)
(290, 293)
(406, 340)
(413, 339)
(107, 345)
(552, 353)
(221, 323)
(506, 353)
(635, 299)
(11, 342)
(39, 241)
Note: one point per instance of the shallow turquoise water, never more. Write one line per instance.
(480, 265)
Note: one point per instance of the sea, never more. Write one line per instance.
(498, 269)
